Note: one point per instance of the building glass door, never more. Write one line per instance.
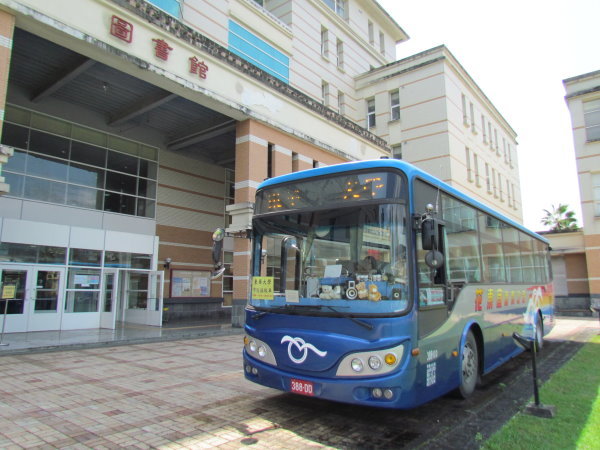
(13, 283)
(32, 297)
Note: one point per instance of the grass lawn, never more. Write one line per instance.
(575, 392)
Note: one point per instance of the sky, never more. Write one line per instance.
(518, 52)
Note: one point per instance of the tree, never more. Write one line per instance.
(560, 219)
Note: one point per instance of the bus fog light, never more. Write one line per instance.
(262, 351)
(248, 369)
(388, 394)
(357, 365)
(376, 393)
(374, 362)
(254, 371)
(252, 346)
(390, 359)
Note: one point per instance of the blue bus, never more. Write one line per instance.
(374, 283)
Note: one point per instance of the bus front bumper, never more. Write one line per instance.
(389, 391)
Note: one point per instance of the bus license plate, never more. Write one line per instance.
(302, 387)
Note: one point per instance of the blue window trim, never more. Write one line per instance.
(172, 7)
(245, 44)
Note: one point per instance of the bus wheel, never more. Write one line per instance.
(469, 367)
(539, 333)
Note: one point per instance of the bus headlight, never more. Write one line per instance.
(378, 362)
(357, 365)
(259, 350)
(375, 362)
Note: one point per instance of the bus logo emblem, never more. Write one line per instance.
(302, 347)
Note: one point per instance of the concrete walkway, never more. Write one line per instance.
(124, 334)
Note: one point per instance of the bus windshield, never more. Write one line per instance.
(348, 260)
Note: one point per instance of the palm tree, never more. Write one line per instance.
(560, 219)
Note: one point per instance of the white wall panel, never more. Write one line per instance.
(129, 242)
(128, 224)
(36, 233)
(64, 215)
(86, 238)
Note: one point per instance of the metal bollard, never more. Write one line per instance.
(536, 408)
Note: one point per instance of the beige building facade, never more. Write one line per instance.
(138, 127)
(583, 101)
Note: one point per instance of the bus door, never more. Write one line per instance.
(432, 291)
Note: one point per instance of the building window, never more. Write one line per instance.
(269, 160)
(229, 193)
(472, 115)
(500, 187)
(395, 105)
(371, 33)
(514, 197)
(476, 167)
(596, 193)
(469, 170)
(324, 42)
(341, 103)
(591, 116)
(490, 133)
(381, 43)
(337, 6)
(371, 113)
(496, 140)
(483, 129)
(228, 279)
(325, 92)
(397, 151)
(508, 193)
(464, 110)
(64, 170)
(494, 185)
(504, 150)
(488, 184)
(339, 51)
(510, 161)
(255, 50)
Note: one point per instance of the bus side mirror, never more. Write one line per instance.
(217, 253)
(434, 259)
(429, 234)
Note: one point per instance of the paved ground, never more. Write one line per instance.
(191, 394)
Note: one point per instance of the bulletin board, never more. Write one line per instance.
(190, 283)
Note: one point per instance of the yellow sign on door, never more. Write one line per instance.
(262, 288)
(9, 291)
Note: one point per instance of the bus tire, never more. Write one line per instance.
(469, 367)
(539, 332)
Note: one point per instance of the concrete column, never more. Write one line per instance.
(592, 256)
(7, 28)
(282, 160)
(301, 162)
(251, 160)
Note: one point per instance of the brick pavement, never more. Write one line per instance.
(175, 394)
(156, 395)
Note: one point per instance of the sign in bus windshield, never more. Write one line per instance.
(330, 191)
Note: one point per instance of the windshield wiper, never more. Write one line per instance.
(363, 324)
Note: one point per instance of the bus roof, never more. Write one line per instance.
(411, 172)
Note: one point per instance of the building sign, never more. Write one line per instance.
(198, 67)
(121, 29)
(161, 49)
